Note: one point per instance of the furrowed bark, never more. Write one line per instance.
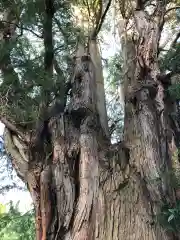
(83, 187)
(97, 191)
(65, 184)
(88, 165)
(101, 102)
(148, 133)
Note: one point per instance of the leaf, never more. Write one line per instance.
(2, 209)
(172, 210)
(170, 217)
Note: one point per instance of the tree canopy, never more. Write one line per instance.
(15, 225)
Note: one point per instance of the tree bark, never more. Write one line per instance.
(64, 181)
(101, 102)
(148, 133)
(82, 186)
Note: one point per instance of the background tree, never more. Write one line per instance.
(14, 225)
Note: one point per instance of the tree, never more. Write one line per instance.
(149, 129)
(53, 107)
(14, 225)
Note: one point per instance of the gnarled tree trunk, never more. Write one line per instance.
(82, 186)
(87, 189)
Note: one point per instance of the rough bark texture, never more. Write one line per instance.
(87, 189)
(101, 103)
(148, 133)
(84, 188)
(64, 183)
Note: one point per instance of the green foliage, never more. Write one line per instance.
(171, 60)
(115, 76)
(15, 226)
(114, 109)
(169, 217)
(174, 91)
(26, 83)
(2, 209)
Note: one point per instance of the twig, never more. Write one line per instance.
(175, 40)
(98, 28)
(22, 28)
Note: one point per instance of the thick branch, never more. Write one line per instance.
(20, 165)
(48, 37)
(48, 45)
(101, 21)
(171, 9)
(48, 66)
(21, 146)
(15, 129)
(160, 14)
(64, 85)
(99, 13)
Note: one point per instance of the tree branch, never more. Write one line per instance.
(23, 28)
(49, 11)
(65, 86)
(166, 78)
(139, 5)
(21, 146)
(58, 69)
(99, 14)
(18, 162)
(99, 25)
(13, 128)
(48, 38)
(48, 46)
(175, 40)
(171, 9)
(171, 74)
(85, 2)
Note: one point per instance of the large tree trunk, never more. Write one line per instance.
(82, 186)
(148, 132)
(64, 180)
